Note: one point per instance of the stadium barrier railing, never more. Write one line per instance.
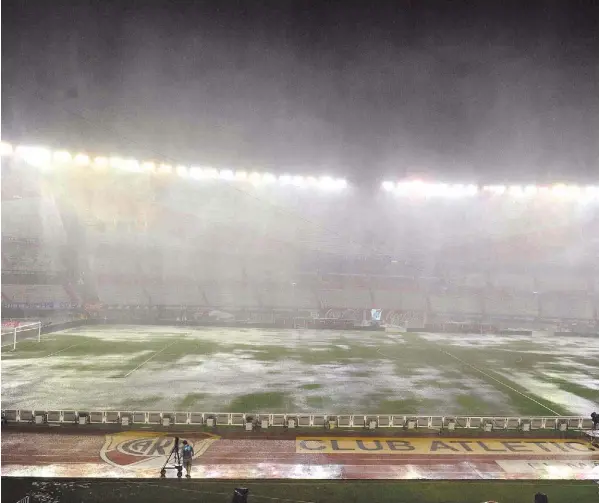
(297, 420)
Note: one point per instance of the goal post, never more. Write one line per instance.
(14, 333)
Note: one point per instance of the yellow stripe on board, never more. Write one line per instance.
(447, 446)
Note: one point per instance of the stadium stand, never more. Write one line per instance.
(36, 294)
(455, 303)
(287, 243)
(512, 281)
(512, 304)
(569, 307)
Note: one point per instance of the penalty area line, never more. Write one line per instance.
(500, 382)
(64, 349)
(153, 356)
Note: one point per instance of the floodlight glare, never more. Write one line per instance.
(36, 156)
(148, 167)
(101, 162)
(6, 149)
(82, 160)
(62, 156)
(226, 174)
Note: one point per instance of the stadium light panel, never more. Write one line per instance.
(255, 178)
(285, 179)
(298, 181)
(82, 160)
(531, 190)
(211, 173)
(148, 167)
(166, 169)
(269, 178)
(6, 149)
(182, 171)
(226, 174)
(516, 191)
(196, 173)
(326, 183)
(388, 186)
(241, 175)
(36, 156)
(131, 165)
(471, 190)
(62, 156)
(101, 162)
(116, 162)
(312, 181)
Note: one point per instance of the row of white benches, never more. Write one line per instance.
(300, 420)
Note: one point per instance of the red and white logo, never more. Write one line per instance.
(147, 449)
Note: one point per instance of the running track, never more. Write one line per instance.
(141, 454)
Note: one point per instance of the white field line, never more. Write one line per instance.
(154, 355)
(500, 382)
(56, 352)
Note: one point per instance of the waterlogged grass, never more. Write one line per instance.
(192, 401)
(281, 371)
(311, 386)
(574, 388)
(142, 403)
(260, 402)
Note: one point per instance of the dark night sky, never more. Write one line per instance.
(499, 91)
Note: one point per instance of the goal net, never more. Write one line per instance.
(14, 333)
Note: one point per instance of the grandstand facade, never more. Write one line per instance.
(79, 237)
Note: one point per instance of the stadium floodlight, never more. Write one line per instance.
(388, 186)
(471, 190)
(148, 167)
(62, 156)
(241, 175)
(165, 169)
(196, 173)
(591, 192)
(497, 190)
(328, 183)
(226, 174)
(82, 160)
(116, 162)
(131, 165)
(182, 171)
(101, 162)
(36, 156)
(6, 149)
(269, 178)
(255, 178)
(211, 173)
(516, 191)
(285, 179)
(299, 181)
(531, 190)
